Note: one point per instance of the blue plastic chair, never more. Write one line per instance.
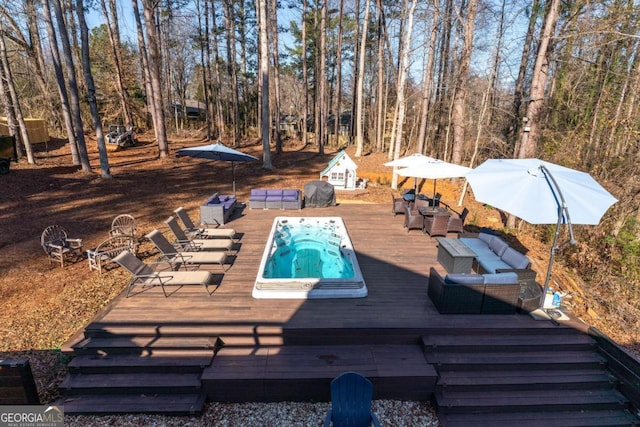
(351, 395)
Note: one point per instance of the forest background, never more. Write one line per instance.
(460, 80)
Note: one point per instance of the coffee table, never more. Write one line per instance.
(454, 255)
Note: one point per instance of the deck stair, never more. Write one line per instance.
(507, 377)
(137, 373)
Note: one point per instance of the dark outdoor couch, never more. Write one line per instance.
(492, 293)
(494, 255)
(274, 198)
(217, 209)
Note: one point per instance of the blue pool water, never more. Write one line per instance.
(309, 258)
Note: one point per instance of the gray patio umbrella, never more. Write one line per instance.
(540, 192)
(218, 151)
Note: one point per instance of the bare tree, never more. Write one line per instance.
(460, 95)
(275, 52)
(360, 83)
(427, 77)
(61, 85)
(338, 92)
(264, 76)
(113, 30)
(153, 62)
(305, 78)
(74, 97)
(91, 89)
(531, 133)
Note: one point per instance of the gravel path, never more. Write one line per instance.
(284, 414)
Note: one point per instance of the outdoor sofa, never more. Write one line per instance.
(494, 255)
(274, 198)
(492, 293)
(217, 209)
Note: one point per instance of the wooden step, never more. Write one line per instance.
(474, 343)
(564, 379)
(143, 345)
(167, 404)
(530, 401)
(580, 418)
(145, 383)
(526, 361)
(302, 373)
(158, 361)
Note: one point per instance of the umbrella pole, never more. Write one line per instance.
(233, 176)
(563, 211)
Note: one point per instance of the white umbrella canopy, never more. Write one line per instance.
(410, 160)
(541, 192)
(524, 188)
(435, 169)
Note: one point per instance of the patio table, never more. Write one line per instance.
(454, 255)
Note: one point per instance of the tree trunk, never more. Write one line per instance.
(519, 86)
(460, 95)
(62, 87)
(321, 81)
(305, 81)
(232, 69)
(91, 90)
(531, 132)
(113, 30)
(337, 105)
(144, 66)
(264, 76)
(74, 96)
(154, 62)
(427, 76)
(275, 51)
(360, 82)
(217, 82)
(10, 113)
(380, 80)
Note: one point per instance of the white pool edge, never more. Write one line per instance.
(310, 288)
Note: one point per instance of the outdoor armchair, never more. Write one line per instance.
(397, 205)
(456, 222)
(436, 225)
(145, 276)
(58, 245)
(412, 219)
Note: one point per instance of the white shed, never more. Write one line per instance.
(341, 172)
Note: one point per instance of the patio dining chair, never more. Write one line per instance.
(413, 220)
(144, 275)
(351, 396)
(179, 258)
(456, 222)
(58, 246)
(397, 205)
(191, 230)
(436, 225)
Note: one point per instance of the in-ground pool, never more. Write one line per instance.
(309, 258)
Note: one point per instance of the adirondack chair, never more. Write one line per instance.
(351, 395)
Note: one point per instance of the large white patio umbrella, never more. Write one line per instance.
(540, 192)
(218, 151)
(415, 159)
(435, 169)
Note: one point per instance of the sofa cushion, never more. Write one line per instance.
(499, 278)
(274, 192)
(214, 200)
(224, 198)
(485, 237)
(515, 259)
(290, 193)
(498, 246)
(258, 192)
(464, 279)
(492, 264)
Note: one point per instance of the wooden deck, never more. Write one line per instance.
(282, 349)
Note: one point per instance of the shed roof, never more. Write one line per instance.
(341, 156)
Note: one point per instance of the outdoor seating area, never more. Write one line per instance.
(461, 293)
(430, 215)
(217, 209)
(58, 246)
(275, 198)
